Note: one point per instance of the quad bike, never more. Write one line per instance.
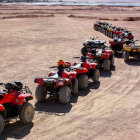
(109, 31)
(14, 103)
(90, 44)
(117, 45)
(90, 71)
(59, 84)
(116, 32)
(104, 27)
(127, 35)
(104, 57)
(97, 25)
(131, 49)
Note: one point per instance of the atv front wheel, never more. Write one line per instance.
(40, 93)
(126, 56)
(75, 86)
(26, 114)
(96, 75)
(2, 123)
(64, 95)
(84, 51)
(83, 81)
(112, 60)
(106, 65)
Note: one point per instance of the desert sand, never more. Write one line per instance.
(32, 38)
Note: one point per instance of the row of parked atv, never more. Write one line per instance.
(60, 83)
(66, 79)
(112, 31)
(123, 41)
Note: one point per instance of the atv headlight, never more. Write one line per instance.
(60, 82)
(91, 67)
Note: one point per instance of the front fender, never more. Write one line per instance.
(22, 97)
(2, 108)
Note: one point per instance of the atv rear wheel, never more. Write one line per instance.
(96, 75)
(26, 114)
(126, 56)
(83, 81)
(2, 123)
(138, 57)
(106, 65)
(84, 51)
(64, 95)
(40, 93)
(112, 60)
(75, 86)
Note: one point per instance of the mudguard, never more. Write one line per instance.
(109, 51)
(39, 81)
(69, 75)
(22, 97)
(105, 55)
(1, 108)
(89, 65)
(68, 64)
(112, 43)
(81, 71)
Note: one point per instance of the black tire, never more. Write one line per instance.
(108, 34)
(96, 75)
(112, 35)
(83, 81)
(112, 60)
(2, 123)
(138, 57)
(106, 65)
(40, 93)
(64, 95)
(84, 51)
(26, 114)
(75, 86)
(126, 56)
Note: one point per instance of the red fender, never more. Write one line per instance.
(68, 64)
(109, 51)
(105, 55)
(22, 97)
(51, 73)
(2, 107)
(81, 71)
(69, 75)
(90, 55)
(39, 81)
(112, 43)
(89, 65)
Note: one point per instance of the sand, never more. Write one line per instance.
(34, 38)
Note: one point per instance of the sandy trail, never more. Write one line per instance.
(108, 110)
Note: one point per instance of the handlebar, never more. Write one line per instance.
(53, 67)
(1, 84)
(76, 57)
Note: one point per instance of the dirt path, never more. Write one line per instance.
(109, 110)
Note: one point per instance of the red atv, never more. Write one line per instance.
(85, 70)
(14, 103)
(117, 44)
(59, 84)
(104, 57)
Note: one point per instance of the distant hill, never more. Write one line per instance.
(71, 0)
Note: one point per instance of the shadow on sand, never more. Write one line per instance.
(16, 130)
(133, 62)
(53, 107)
